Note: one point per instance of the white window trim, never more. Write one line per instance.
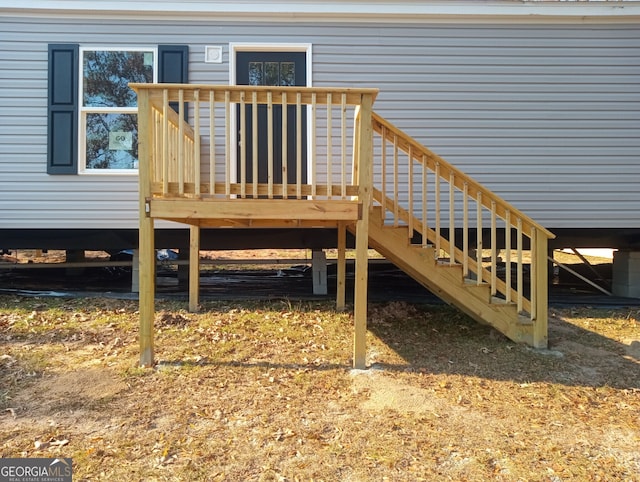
(234, 48)
(82, 111)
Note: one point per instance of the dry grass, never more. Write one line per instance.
(264, 391)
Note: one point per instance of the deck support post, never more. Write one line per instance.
(194, 269)
(146, 233)
(365, 192)
(540, 271)
(147, 291)
(341, 275)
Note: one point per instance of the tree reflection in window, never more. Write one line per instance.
(107, 75)
(272, 73)
(102, 150)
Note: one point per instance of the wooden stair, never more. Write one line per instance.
(446, 280)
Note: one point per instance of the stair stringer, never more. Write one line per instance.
(446, 281)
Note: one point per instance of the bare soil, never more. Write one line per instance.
(264, 391)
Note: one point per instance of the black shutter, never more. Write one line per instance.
(62, 127)
(173, 67)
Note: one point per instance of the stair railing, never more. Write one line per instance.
(461, 219)
(224, 131)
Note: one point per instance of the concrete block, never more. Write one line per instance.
(626, 274)
(319, 272)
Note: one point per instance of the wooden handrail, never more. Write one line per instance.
(419, 164)
(320, 94)
(424, 155)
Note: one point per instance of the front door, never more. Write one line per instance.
(279, 69)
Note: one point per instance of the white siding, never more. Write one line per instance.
(548, 116)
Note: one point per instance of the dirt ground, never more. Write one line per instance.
(264, 391)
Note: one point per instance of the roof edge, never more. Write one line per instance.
(335, 10)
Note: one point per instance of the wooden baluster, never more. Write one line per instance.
(243, 146)
(314, 150)
(196, 141)
(479, 240)
(494, 250)
(227, 144)
(411, 187)
(170, 156)
(519, 279)
(270, 143)
(212, 143)
(465, 230)
(165, 143)
(384, 171)
(356, 146)
(343, 142)
(396, 182)
(284, 145)
(188, 161)
(181, 160)
(425, 193)
(254, 144)
(329, 144)
(452, 215)
(299, 146)
(507, 255)
(157, 169)
(437, 208)
(533, 273)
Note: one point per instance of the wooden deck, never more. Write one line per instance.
(334, 163)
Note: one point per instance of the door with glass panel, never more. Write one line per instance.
(278, 69)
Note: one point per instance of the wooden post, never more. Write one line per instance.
(342, 266)
(146, 232)
(541, 321)
(194, 269)
(365, 187)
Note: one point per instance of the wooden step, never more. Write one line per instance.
(446, 281)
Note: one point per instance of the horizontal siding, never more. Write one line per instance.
(546, 116)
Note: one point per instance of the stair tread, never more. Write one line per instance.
(473, 282)
(524, 319)
(447, 264)
(501, 301)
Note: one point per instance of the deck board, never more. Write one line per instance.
(255, 209)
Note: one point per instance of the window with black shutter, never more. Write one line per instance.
(92, 127)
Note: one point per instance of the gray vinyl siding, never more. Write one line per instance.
(547, 116)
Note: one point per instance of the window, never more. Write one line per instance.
(92, 113)
(272, 73)
(108, 107)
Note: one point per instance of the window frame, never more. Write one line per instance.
(84, 111)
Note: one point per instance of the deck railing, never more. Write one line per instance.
(206, 158)
(460, 218)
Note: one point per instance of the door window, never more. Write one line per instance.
(272, 73)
